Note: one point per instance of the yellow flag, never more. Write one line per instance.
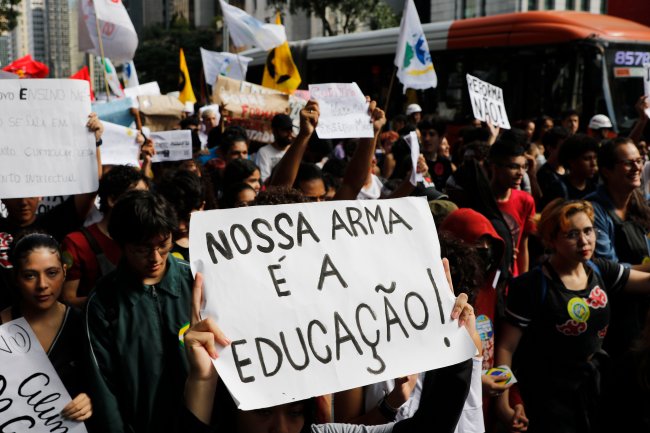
(280, 72)
(184, 84)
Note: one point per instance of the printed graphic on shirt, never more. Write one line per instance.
(597, 298)
(603, 332)
(572, 328)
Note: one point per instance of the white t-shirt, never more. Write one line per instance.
(266, 158)
(373, 191)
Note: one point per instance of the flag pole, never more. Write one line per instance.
(101, 51)
(390, 89)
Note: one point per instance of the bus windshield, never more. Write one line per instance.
(625, 67)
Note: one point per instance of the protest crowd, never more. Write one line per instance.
(543, 231)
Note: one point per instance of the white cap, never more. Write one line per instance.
(413, 108)
(600, 121)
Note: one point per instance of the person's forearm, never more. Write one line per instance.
(637, 132)
(287, 169)
(357, 171)
(403, 190)
(199, 398)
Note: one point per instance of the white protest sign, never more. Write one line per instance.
(31, 393)
(45, 147)
(487, 102)
(172, 145)
(146, 89)
(343, 111)
(414, 144)
(120, 145)
(322, 297)
(646, 84)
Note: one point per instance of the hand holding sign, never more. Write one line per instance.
(309, 118)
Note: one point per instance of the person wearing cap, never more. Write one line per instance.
(269, 155)
(414, 114)
(600, 125)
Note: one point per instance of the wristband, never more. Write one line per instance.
(98, 142)
(386, 410)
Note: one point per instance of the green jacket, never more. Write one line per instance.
(138, 365)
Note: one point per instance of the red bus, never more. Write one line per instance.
(546, 62)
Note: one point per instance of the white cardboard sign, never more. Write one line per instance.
(45, 147)
(343, 111)
(487, 102)
(322, 297)
(120, 145)
(172, 145)
(32, 395)
(414, 144)
(646, 83)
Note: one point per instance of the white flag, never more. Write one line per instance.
(226, 64)
(129, 75)
(118, 34)
(111, 77)
(248, 31)
(413, 60)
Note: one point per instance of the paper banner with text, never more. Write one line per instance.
(250, 106)
(31, 391)
(45, 146)
(322, 297)
(487, 102)
(646, 84)
(119, 145)
(343, 111)
(172, 145)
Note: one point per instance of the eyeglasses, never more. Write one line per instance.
(630, 163)
(574, 235)
(515, 167)
(147, 251)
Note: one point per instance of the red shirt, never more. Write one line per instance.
(80, 258)
(518, 211)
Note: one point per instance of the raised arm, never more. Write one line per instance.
(637, 132)
(83, 203)
(359, 166)
(287, 169)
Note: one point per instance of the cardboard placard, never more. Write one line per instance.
(322, 297)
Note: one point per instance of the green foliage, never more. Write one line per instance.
(157, 57)
(8, 15)
(349, 13)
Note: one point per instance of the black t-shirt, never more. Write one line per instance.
(564, 326)
(439, 171)
(550, 183)
(574, 193)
